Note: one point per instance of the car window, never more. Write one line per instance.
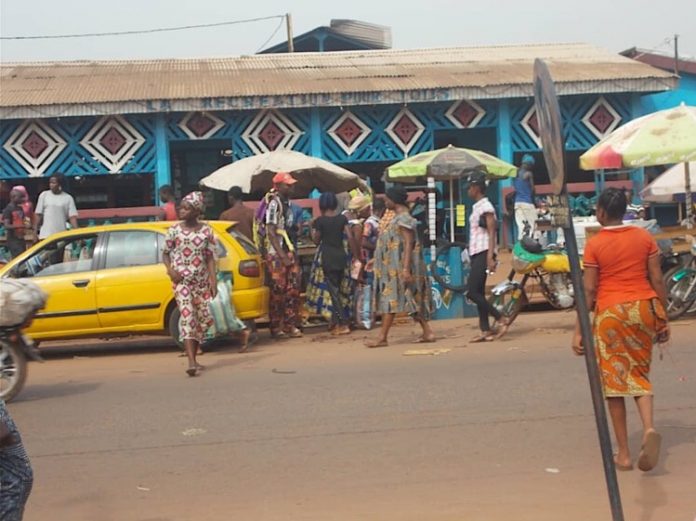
(132, 248)
(69, 255)
(243, 240)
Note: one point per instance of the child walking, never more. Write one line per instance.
(189, 256)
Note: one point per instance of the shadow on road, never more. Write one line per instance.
(92, 348)
(34, 392)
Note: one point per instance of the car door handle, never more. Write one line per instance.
(81, 283)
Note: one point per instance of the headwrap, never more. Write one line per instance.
(195, 199)
(528, 159)
(21, 188)
(359, 202)
(398, 194)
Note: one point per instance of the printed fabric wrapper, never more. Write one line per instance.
(225, 320)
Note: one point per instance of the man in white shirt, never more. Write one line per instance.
(54, 209)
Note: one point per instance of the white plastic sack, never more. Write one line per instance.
(18, 300)
(222, 309)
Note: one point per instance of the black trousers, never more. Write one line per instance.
(334, 279)
(477, 290)
(16, 247)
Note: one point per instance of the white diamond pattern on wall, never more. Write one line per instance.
(270, 130)
(113, 142)
(465, 114)
(349, 132)
(602, 118)
(531, 125)
(35, 145)
(200, 125)
(405, 129)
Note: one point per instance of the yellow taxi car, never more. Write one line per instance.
(109, 280)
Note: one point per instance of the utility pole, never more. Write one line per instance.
(288, 25)
(676, 55)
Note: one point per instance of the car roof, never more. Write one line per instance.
(149, 225)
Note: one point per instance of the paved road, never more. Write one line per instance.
(320, 429)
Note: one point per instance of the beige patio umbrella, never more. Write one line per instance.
(255, 173)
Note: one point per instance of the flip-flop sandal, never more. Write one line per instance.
(279, 335)
(373, 344)
(294, 333)
(482, 338)
(650, 452)
(621, 467)
(423, 340)
(192, 371)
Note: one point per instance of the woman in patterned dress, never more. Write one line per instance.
(401, 282)
(189, 256)
(16, 477)
(624, 285)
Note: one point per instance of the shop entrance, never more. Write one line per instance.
(193, 160)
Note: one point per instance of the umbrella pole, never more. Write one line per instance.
(451, 210)
(689, 202)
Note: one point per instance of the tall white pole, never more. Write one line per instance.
(451, 210)
(689, 202)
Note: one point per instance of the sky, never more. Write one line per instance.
(613, 24)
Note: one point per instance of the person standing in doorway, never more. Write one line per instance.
(189, 256)
(282, 260)
(525, 211)
(482, 247)
(54, 209)
(169, 212)
(14, 220)
(239, 212)
(623, 283)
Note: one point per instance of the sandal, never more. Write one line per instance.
(502, 328)
(294, 333)
(650, 451)
(483, 337)
(376, 343)
(426, 340)
(192, 371)
(279, 335)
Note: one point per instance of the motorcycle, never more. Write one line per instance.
(19, 301)
(549, 267)
(681, 286)
(15, 350)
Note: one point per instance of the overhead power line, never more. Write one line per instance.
(142, 31)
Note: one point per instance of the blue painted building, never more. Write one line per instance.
(121, 129)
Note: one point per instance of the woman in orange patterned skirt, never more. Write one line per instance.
(623, 282)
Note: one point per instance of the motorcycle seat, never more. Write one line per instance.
(531, 245)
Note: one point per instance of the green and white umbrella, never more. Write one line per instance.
(662, 138)
(449, 164)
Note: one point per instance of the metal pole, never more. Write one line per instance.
(593, 374)
(689, 202)
(288, 26)
(676, 55)
(451, 210)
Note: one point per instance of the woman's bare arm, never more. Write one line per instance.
(656, 280)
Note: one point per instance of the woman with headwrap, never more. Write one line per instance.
(401, 282)
(189, 255)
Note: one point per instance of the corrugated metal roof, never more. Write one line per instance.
(505, 71)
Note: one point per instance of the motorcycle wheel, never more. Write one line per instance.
(678, 301)
(13, 371)
(509, 305)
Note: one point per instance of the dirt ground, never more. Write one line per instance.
(325, 429)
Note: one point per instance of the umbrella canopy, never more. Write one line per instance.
(670, 186)
(449, 163)
(255, 173)
(661, 138)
